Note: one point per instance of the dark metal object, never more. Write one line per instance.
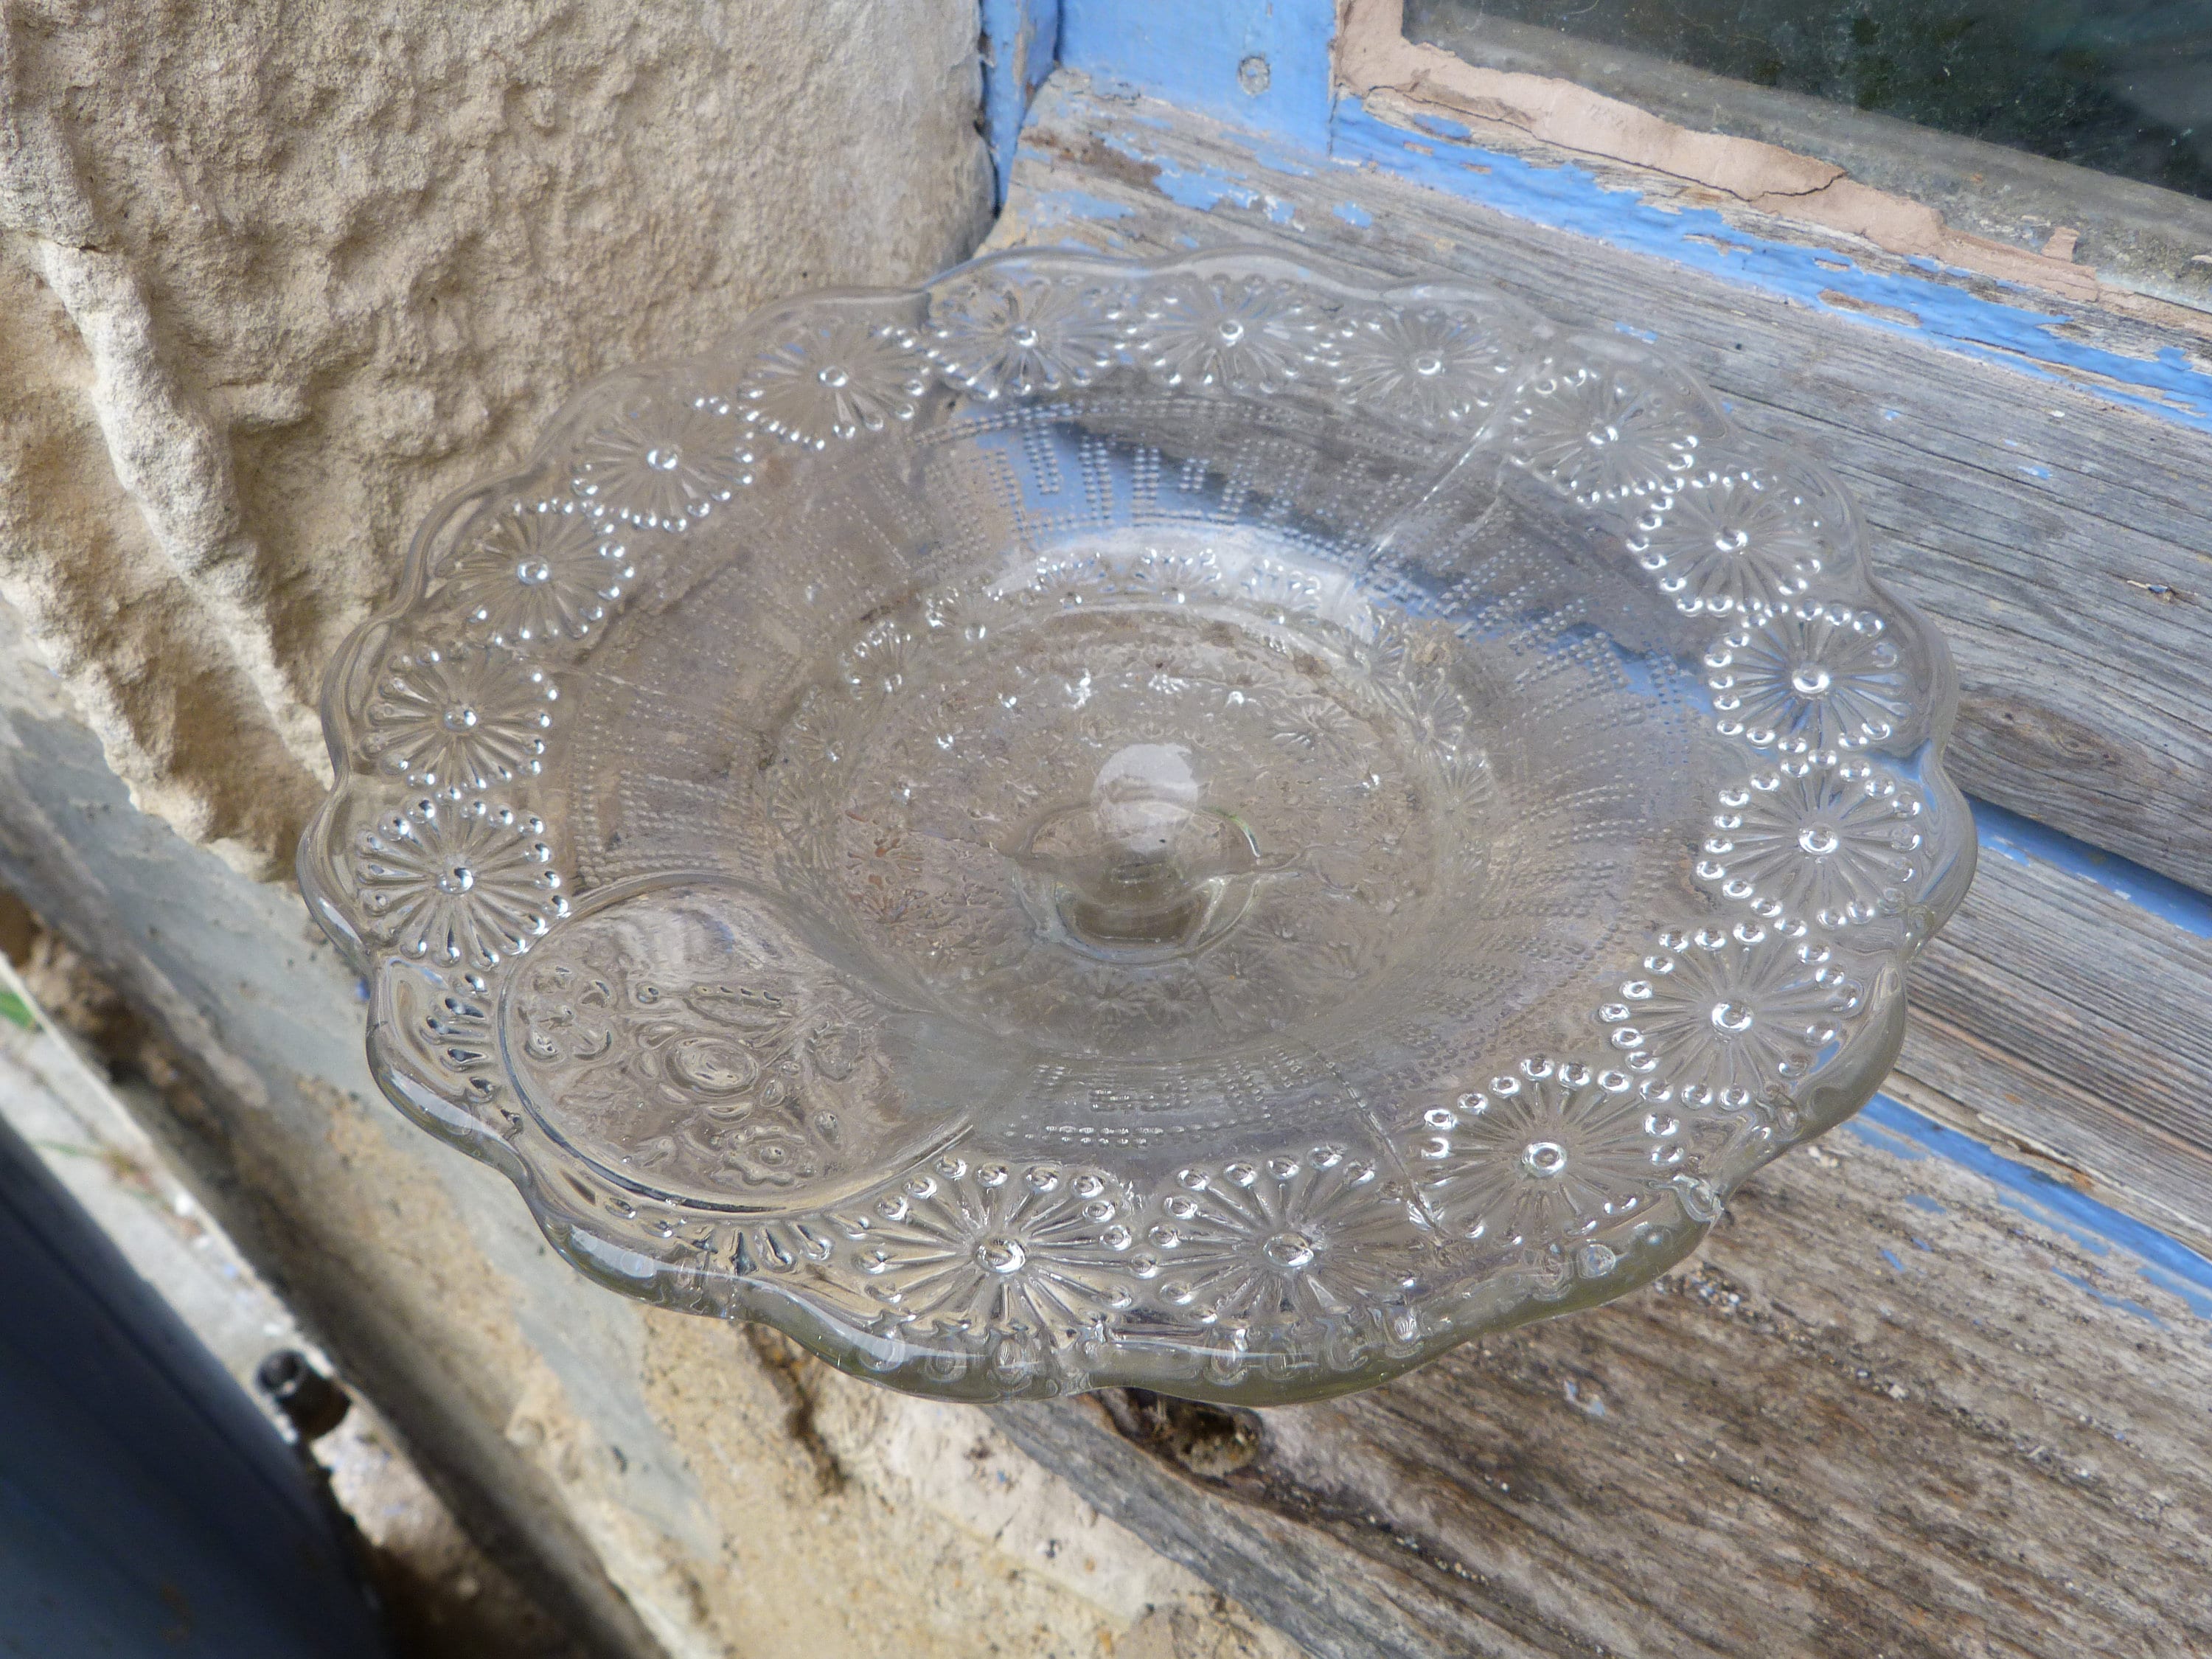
(145, 1505)
(312, 1403)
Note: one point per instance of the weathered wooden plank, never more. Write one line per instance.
(2075, 1020)
(2130, 234)
(2064, 541)
(1891, 1409)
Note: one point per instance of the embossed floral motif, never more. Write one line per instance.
(465, 718)
(835, 379)
(754, 1078)
(1027, 336)
(1736, 1015)
(468, 884)
(1741, 539)
(878, 660)
(1242, 333)
(1837, 845)
(439, 1016)
(1106, 510)
(1065, 583)
(663, 462)
(1174, 576)
(439, 1019)
(1810, 677)
(1433, 703)
(1035, 1250)
(1079, 580)
(1278, 592)
(1283, 1240)
(1602, 436)
(1434, 367)
(539, 571)
(1126, 1008)
(1550, 1151)
(1313, 724)
(457, 1025)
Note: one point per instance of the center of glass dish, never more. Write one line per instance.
(1131, 834)
(1143, 798)
(1144, 869)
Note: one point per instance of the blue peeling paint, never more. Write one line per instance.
(1203, 188)
(2119, 1302)
(1205, 55)
(2173, 1284)
(1020, 46)
(1264, 64)
(1890, 1256)
(1283, 162)
(1570, 197)
(2024, 841)
(2166, 1262)
(1644, 334)
(1281, 212)
(1049, 207)
(1922, 1201)
(2087, 1241)
(1354, 215)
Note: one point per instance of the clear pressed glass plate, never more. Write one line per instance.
(1198, 825)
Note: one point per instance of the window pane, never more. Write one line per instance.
(2122, 85)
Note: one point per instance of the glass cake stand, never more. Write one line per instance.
(1201, 825)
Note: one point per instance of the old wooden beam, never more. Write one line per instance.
(1894, 1407)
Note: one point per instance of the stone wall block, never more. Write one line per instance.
(273, 278)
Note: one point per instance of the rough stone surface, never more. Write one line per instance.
(273, 278)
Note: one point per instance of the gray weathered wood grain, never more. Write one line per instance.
(2076, 602)
(1886, 1413)
(2066, 1018)
(2137, 234)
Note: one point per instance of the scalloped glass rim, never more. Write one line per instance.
(1479, 391)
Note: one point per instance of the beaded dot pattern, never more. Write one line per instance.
(1198, 825)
